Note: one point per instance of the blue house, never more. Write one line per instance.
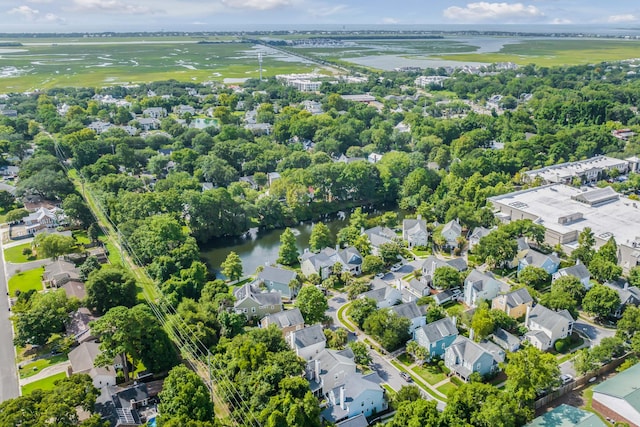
(278, 279)
(437, 336)
(550, 263)
(464, 357)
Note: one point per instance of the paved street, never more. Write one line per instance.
(8, 370)
(595, 333)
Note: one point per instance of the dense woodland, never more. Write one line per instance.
(443, 169)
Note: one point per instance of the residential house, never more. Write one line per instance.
(374, 157)
(272, 177)
(329, 369)
(475, 235)
(522, 251)
(446, 296)
(314, 107)
(513, 303)
(431, 263)
(360, 395)
(385, 296)
(579, 270)
(259, 128)
(414, 232)
(75, 289)
(255, 304)
(629, 295)
(206, 186)
(548, 262)
(547, 326)
(43, 218)
(184, 109)
(496, 351)
(618, 398)
(357, 421)
(567, 416)
(99, 126)
(249, 180)
(82, 359)
(287, 320)
(78, 325)
(464, 357)
(451, 231)
(278, 279)
(148, 123)
(155, 112)
(322, 262)
(419, 288)
(9, 171)
(481, 285)
(378, 236)
(60, 272)
(308, 342)
(507, 341)
(437, 336)
(411, 311)
(128, 407)
(344, 159)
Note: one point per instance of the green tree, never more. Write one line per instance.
(6, 200)
(629, 323)
(185, 395)
(530, 371)
(288, 253)
(533, 276)
(389, 329)
(389, 252)
(447, 278)
(634, 276)
(415, 413)
(361, 309)
(418, 352)
(16, 214)
(93, 232)
(77, 210)
(312, 304)
(361, 353)
(320, 237)
(46, 314)
(482, 323)
(109, 287)
(497, 245)
(232, 266)
(571, 285)
(88, 266)
(584, 362)
(336, 339)
(601, 301)
(363, 245)
(559, 300)
(372, 264)
(603, 270)
(53, 245)
(608, 348)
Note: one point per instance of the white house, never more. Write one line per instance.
(411, 311)
(360, 395)
(547, 326)
(414, 232)
(385, 296)
(479, 286)
(579, 271)
(329, 369)
(308, 342)
(82, 359)
(451, 231)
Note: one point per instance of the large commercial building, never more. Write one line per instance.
(589, 170)
(565, 211)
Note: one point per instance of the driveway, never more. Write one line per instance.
(8, 371)
(595, 333)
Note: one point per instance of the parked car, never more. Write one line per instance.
(396, 267)
(406, 377)
(380, 275)
(566, 379)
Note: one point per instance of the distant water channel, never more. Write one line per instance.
(260, 248)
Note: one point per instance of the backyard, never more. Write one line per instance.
(26, 281)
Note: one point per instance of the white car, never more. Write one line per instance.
(566, 379)
(380, 275)
(396, 267)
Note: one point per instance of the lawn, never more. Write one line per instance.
(25, 281)
(43, 384)
(30, 369)
(390, 392)
(430, 373)
(81, 237)
(15, 256)
(447, 388)
(455, 309)
(405, 359)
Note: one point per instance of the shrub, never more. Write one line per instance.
(27, 252)
(561, 345)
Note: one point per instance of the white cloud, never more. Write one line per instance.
(327, 11)
(494, 12)
(25, 11)
(614, 19)
(110, 6)
(257, 4)
(389, 20)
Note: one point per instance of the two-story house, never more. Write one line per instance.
(379, 236)
(481, 285)
(547, 326)
(155, 112)
(475, 235)
(322, 263)
(437, 336)
(255, 304)
(329, 369)
(360, 395)
(629, 295)
(308, 342)
(385, 296)
(464, 357)
(278, 279)
(548, 262)
(411, 311)
(287, 321)
(414, 232)
(431, 263)
(451, 231)
(579, 270)
(513, 303)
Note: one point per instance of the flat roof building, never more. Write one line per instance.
(588, 170)
(565, 211)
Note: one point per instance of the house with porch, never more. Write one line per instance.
(411, 311)
(379, 236)
(481, 285)
(548, 262)
(385, 296)
(82, 360)
(287, 321)
(451, 231)
(322, 263)
(578, 270)
(360, 395)
(464, 357)
(308, 342)
(329, 369)
(629, 295)
(547, 326)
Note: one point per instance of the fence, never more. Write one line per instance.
(543, 401)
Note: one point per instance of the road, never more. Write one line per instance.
(8, 371)
(595, 333)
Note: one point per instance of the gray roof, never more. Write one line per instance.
(308, 336)
(418, 285)
(597, 196)
(82, 360)
(382, 294)
(458, 263)
(277, 275)
(505, 339)
(579, 270)
(431, 261)
(285, 318)
(494, 350)
(408, 310)
(412, 226)
(467, 350)
(358, 421)
(628, 294)
(518, 297)
(380, 235)
(477, 279)
(444, 296)
(262, 298)
(355, 385)
(547, 318)
(537, 259)
(479, 232)
(329, 256)
(440, 329)
(522, 244)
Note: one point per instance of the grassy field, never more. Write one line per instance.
(14, 254)
(447, 388)
(557, 52)
(430, 373)
(93, 64)
(27, 280)
(43, 384)
(30, 369)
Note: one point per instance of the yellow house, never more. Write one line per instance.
(514, 303)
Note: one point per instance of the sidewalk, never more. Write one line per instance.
(46, 372)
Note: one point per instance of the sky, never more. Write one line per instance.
(212, 15)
